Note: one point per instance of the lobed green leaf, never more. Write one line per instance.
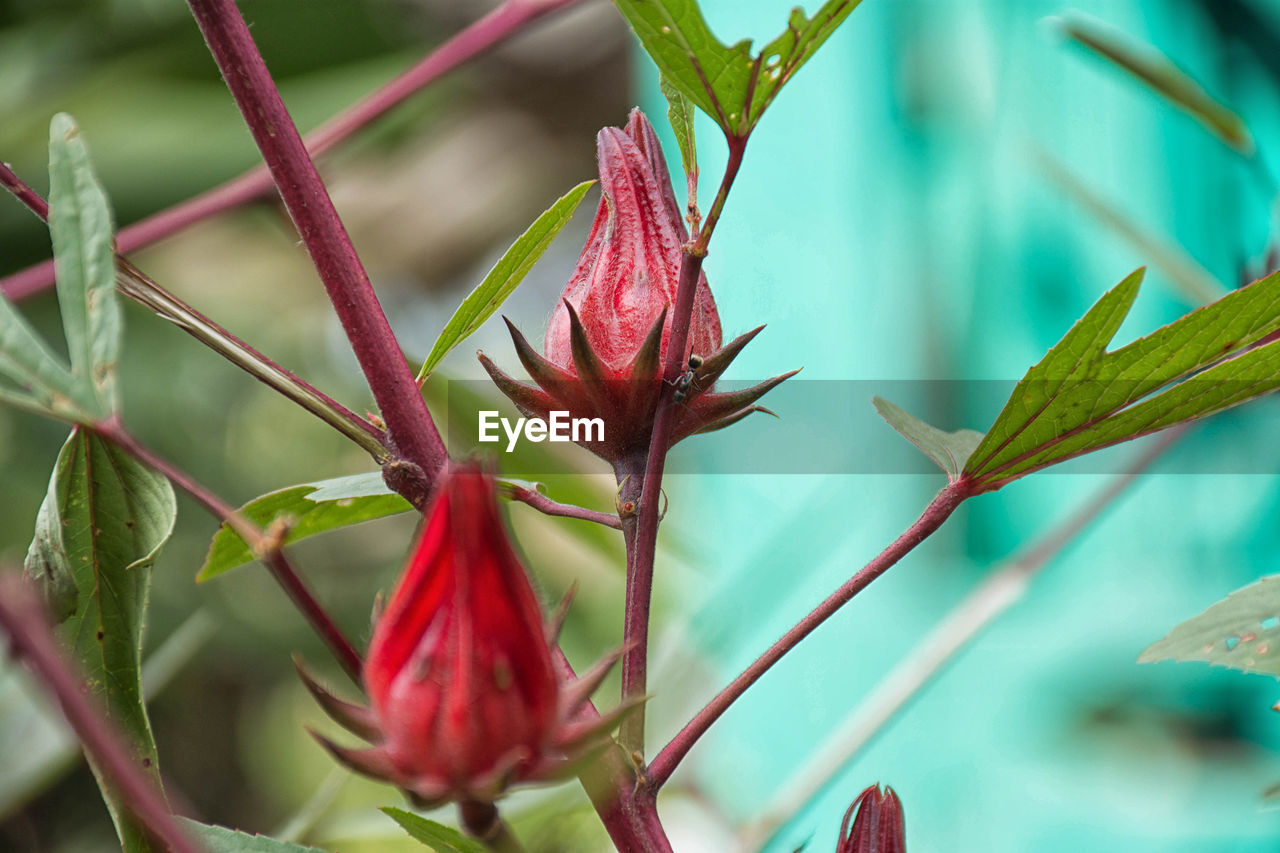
(505, 276)
(1240, 632)
(728, 83)
(1082, 398)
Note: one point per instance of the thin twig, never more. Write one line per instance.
(494, 28)
(1004, 587)
(938, 511)
(265, 548)
(413, 433)
(547, 506)
(22, 618)
(139, 287)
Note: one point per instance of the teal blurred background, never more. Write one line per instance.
(895, 219)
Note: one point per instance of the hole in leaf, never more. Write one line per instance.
(1270, 623)
(1232, 642)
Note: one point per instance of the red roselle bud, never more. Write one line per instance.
(607, 339)
(629, 270)
(878, 827)
(464, 696)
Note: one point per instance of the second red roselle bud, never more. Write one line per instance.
(465, 698)
(878, 826)
(607, 339)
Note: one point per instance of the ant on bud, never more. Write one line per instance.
(688, 379)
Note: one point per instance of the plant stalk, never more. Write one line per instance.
(412, 432)
(509, 19)
(22, 618)
(642, 537)
(139, 287)
(265, 548)
(934, 515)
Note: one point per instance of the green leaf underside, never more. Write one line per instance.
(727, 83)
(438, 837)
(32, 377)
(1155, 70)
(101, 526)
(505, 276)
(950, 450)
(219, 839)
(84, 253)
(316, 508)
(680, 116)
(307, 516)
(1240, 632)
(1081, 398)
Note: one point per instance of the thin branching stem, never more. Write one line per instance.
(265, 547)
(642, 537)
(413, 434)
(510, 18)
(141, 288)
(937, 512)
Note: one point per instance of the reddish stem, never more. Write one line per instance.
(22, 618)
(263, 547)
(547, 506)
(411, 430)
(642, 539)
(135, 284)
(938, 511)
(628, 815)
(507, 20)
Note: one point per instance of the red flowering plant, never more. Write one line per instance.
(469, 694)
(465, 696)
(608, 337)
(874, 824)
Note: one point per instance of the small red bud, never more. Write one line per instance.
(878, 827)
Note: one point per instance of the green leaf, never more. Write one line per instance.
(315, 508)
(219, 839)
(38, 746)
(45, 385)
(1081, 398)
(502, 280)
(728, 83)
(1156, 71)
(103, 522)
(680, 115)
(367, 485)
(950, 450)
(84, 254)
(348, 500)
(1240, 632)
(438, 837)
